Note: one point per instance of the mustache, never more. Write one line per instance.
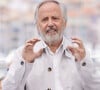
(50, 29)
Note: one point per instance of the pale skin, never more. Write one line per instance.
(79, 51)
(28, 53)
(50, 15)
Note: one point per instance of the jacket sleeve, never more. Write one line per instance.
(88, 74)
(18, 72)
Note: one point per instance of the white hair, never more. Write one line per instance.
(61, 5)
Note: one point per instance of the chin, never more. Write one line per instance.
(52, 39)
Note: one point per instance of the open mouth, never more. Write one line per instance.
(51, 31)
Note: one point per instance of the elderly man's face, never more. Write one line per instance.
(50, 22)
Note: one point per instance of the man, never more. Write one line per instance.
(56, 65)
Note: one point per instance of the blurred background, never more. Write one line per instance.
(17, 25)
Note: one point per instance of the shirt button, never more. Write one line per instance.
(22, 62)
(84, 64)
(7, 69)
(49, 89)
(49, 69)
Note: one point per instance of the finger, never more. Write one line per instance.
(75, 53)
(75, 38)
(32, 41)
(78, 42)
(28, 46)
(39, 53)
(72, 49)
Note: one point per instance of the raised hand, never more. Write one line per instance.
(78, 51)
(28, 54)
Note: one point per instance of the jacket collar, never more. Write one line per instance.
(65, 43)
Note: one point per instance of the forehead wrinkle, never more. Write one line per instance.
(48, 7)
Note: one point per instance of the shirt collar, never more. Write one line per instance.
(65, 43)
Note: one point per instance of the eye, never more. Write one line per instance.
(44, 19)
(55, 18)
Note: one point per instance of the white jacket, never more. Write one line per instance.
(40, 74)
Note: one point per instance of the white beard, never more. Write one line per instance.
(51, 39)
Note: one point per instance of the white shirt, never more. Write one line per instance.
(56, 59)
(64, 75)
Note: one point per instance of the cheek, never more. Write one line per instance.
(41, 29)
(42, 26)
(63, 25)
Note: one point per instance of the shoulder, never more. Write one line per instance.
(14, 54)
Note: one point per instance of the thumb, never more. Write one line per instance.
(39, 53)
(71, 49)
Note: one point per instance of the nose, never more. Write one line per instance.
(50, 23)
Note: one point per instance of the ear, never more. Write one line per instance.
(65, 23)
(37, 26)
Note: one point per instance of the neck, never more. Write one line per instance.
(55, 45)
